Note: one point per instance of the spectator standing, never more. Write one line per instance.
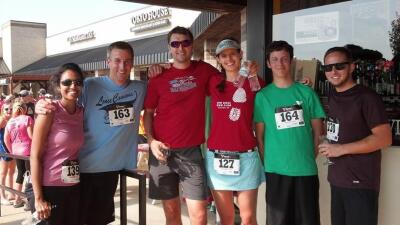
(18, 138)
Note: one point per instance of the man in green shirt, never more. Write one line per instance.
(288, 118)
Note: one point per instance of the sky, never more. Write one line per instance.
(62, 15)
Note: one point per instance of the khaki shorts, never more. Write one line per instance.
(186, 167)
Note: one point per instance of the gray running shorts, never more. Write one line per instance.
(185, 166)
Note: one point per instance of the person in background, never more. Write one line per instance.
(41, 93)
(142, 133)
(7, 165)
(288, 118)
(357, 129)
(18, 138)
(57, 139)
(2, 98)
(232, 162)
(27, 98)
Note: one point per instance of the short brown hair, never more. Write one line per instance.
(343, 50)
(279, 46)
(180, 30)
(119, 45)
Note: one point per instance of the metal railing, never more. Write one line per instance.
(139, 175)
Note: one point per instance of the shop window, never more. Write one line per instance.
(312, 27)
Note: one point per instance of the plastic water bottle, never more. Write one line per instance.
(36, 217)
(253, 78)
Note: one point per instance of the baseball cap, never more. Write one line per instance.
(226, 44)
(24, 93)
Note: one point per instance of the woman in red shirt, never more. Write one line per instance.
(233, 163)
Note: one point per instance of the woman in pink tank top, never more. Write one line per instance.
(17, 138)
(57, 138)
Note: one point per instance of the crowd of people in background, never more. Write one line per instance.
(74, 171)
(16, 128)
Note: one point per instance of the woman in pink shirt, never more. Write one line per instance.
(18, 138)
(57, 138)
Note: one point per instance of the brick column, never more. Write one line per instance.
(209, 51)
(243, 32)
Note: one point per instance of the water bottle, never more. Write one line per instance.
(253, 78)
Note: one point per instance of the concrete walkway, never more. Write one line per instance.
(155, 214)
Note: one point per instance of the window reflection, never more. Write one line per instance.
(313, 30)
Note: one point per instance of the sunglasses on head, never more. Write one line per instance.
(68, 82)
(338, 66)
(184, 43)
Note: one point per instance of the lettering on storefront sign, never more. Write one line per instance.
(81, 37)
(151, 20)
(395, 124)
(4, 81)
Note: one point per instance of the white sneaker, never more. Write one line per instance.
(27, 221)
(30, 221)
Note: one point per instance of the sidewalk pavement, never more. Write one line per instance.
(154, 216)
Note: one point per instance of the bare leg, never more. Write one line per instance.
(172, 211)
(10, 177)
(224, 203)
(197, 211)
(3, 175)
(248, 206)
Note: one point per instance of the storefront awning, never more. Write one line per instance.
(147, 51)
(220, 6)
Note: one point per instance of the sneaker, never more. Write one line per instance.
(30, 221)
(5, 202)
(27, 221)
(19, 204)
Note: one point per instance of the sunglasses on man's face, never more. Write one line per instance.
(184, 43)
(6, 109)
(68, 82)
(338, 66)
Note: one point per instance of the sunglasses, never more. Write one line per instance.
(184, 43)
(68, 82)
(6, 109)
(338, 66)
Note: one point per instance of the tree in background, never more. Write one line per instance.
(394, 38)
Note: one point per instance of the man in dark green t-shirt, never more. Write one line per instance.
(288, 118)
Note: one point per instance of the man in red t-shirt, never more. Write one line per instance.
(174, 121)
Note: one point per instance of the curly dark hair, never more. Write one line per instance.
(56, 78)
